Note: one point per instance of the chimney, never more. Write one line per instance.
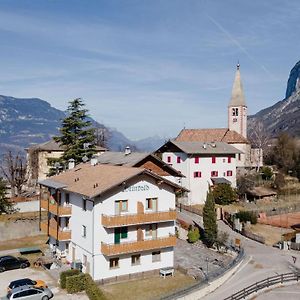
(127, 150)
(94, 160)
(71, 164)
(204, 145)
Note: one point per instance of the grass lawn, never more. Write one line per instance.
(28, 241)
(148, 288)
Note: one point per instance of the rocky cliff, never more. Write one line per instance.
(285, 114)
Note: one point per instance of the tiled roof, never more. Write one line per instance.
(133, 160)
(200, 147)
(211, 135)
(54, 146)
(91, 181)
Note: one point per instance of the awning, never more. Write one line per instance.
(219, 180)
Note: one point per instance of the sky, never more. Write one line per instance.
(146, 67)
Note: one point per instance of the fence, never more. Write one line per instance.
(270, 281)
(253, 236)
(190, 208)
(209, 277)
(295, 246)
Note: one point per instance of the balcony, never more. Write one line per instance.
(138, 246)
(140, 218)
(60, 235)
(56, 209)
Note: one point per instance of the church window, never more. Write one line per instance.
(235, 112)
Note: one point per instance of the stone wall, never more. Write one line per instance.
(17, 229)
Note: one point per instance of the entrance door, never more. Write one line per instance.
(117, 235)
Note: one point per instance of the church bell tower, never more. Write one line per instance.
(237, 108)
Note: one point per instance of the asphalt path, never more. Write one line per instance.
(260, 262)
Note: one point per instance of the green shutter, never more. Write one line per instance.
(124, 232)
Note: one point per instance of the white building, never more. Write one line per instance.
(203, 164)
(116, 220)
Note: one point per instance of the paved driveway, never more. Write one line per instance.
(8, 276)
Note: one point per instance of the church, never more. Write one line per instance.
(236, 132)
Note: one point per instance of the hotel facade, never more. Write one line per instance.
(114, 220)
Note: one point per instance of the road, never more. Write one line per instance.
(260, 262)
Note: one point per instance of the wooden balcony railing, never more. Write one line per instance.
(142, 218)
(61, 236)
(56, 209)
(138, 246)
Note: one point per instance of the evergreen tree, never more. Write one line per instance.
(77, 136)
(5, 205)
(224, 194)
(210, 220)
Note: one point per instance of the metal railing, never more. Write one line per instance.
(270, 281)
(203, 283)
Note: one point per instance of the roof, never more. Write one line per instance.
(91, 181)
(260, 191)
(211, 135)
(220, 180)
(134, 159)
(54, 146)
(237, 94)
(201, 147)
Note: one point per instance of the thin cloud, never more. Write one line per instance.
(238, 44)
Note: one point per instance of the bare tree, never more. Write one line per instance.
(13, 168)
(260, 139)
(102, 135)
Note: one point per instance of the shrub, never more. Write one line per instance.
(224, 194)
(245, 216)
(193, 234)
(65, 274)
(76, 283)
(92, 290)
(267, 173)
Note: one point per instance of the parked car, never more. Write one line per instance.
(28, 293)
(26, 281)
(10, 262)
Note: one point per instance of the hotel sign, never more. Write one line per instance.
(137, 188)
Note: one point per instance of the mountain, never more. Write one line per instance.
(24, 122)
(285, 114)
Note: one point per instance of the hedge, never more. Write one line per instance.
(92, 290)
(65, 274)
(76, 283)
(245, 216)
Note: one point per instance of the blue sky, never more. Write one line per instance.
(148, 67)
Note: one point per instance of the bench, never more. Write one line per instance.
(166, 271)
(29, 250)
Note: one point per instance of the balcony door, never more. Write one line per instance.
(117, 235)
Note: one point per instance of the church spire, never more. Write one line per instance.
(237, 94)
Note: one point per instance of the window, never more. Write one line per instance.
(235, 112)
(114, 263)
(151, 204)
(151, 230)
(136, 259)
(84, 204)
(169, 159)
(196, 160)
(67, 198)
(229, 173)
(178, 159)
(121, 206)
(155, 256)
(197, 174)
(124, 232)
(213, 159)
(239, 156)
(84, 260)
(83, 231)
(214, 174)
(229, 159)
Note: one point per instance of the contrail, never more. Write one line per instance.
(237, 43)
